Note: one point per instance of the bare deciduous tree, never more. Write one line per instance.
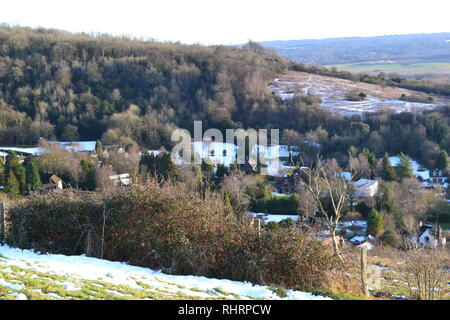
(307, 203)
(425, 272)
(291, 138)
(237, 184)
(60, 161)
(102, 180)
(329, 189)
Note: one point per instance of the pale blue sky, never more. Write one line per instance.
(232, 21)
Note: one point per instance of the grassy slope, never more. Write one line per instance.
(16, 281)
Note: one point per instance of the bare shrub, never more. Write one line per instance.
(425, 273)
(55, 222)
(285, 257)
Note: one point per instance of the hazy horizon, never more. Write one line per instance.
(231, 22)
(145, 38)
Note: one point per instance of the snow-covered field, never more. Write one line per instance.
(418, 170)
(333, 92)
(74, 146)
(31, 150)
(27, 275)
(274, 217)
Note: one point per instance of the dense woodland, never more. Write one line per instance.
(125, 91)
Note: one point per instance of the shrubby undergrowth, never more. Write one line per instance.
(166, 226)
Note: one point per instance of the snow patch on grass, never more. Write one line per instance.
(135, 278)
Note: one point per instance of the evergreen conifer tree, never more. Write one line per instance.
(375, 223)
(405, 169)
(99, 147)
(442, 160)
(12, 185)
(32, 178)
(14, 167)
(388, 172)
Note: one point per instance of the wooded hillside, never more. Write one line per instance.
(78, 86)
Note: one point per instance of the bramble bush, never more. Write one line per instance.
(169, 227)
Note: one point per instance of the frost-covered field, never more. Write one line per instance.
(74, 146)
(333, 92)
(28, 275)
(274, 217)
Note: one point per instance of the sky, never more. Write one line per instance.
(231, 21)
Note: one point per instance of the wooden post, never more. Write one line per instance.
(2, 221)
(365, 287)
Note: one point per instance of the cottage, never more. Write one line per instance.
(365, 188)
(3, 156)
(431, 237)
(55, 184)
(120, 179)
(284, 185)
(358, 240)
(438, 176)
(328, 241)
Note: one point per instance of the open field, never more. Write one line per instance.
(414, 68)
(333, 93)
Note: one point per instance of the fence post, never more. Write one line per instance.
(365, 287)
(2, 221)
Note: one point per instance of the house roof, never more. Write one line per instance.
(434, 232)
(366, 245)
(119, 176)
(362, 239)
(55, 179)
(364, 183)
(328, 240)
(345, 174)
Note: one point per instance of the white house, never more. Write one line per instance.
(365, 188)
(121, 179)
(358, 240)
(55, 184)
(3, 156)
(438, 176)
(432, 238)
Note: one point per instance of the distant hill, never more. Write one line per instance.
(415, 55)
(412, 47)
